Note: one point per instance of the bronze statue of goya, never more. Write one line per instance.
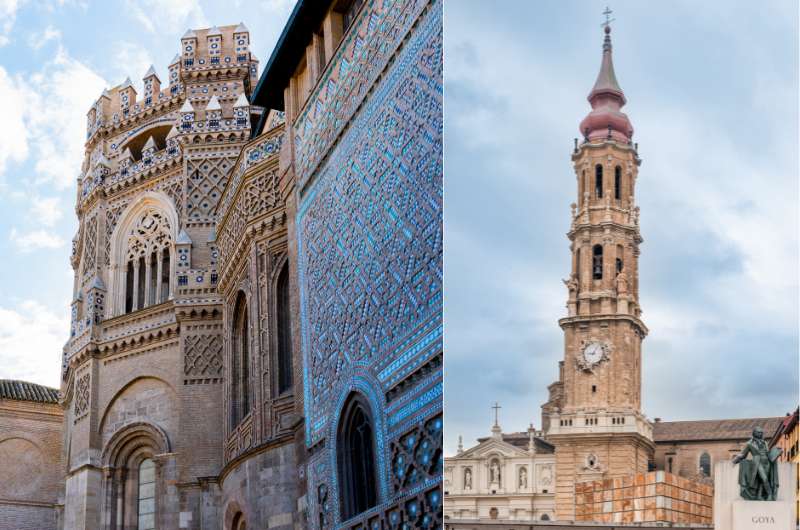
(758, 477)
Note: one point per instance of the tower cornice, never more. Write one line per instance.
(572, 321)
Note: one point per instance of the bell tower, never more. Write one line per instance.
(593, 416)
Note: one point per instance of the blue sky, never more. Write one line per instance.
(56, 56)
(712, 91)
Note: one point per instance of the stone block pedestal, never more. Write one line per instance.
(763, 515)
(734, 513)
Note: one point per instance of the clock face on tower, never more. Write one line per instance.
(592, 354)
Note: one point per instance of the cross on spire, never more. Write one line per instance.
(609, 20)
(496, 409)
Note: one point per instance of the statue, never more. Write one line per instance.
(758, 477)
(572, 286)
(622, 283)
(523, 478)
(468, 479)
(495, 472)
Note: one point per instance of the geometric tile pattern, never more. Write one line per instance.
(81, 398)
(370, 236)
(361, 57)
(369, 242)
(202, 355)
(417, 455)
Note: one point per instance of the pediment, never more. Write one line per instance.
(493, 447)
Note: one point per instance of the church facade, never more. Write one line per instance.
(256, 337)
(504, 477)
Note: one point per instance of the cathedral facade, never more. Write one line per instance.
(256, 336)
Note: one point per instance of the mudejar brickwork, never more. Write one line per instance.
(256, 334)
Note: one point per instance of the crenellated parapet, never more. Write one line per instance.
(208, 55)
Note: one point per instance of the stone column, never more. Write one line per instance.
(135, 293)
(159, 274)
(148, 278)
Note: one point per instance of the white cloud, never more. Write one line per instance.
(31, 340)
(13, 144)
(34, 240)
(133, 60)
(61, 94)
(8, 14)
(37, 40)
(46, 210)
(167, 16)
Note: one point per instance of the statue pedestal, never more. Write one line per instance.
(734, 513)
(762, 515)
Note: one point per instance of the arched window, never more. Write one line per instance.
(617, 183)
(598, 181)
(238, 522)
(705, 464)
(545, 517)
(132, 483)
(581, 186)
(669, 464)
(356, 458)
(146, 513)
(284, 325)
(597, 262)
(147, 261)
(240, 362)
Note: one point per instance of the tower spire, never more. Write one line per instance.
(606, 121)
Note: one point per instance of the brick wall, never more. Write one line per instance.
(646, 497)
(30, 460)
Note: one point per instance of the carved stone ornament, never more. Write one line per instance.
(592, 352)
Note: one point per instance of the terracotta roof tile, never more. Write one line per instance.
(25, 391)
(739, 429)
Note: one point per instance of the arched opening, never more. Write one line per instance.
(617, 183)
(239, 522)
(356, 458)
(136, 143)
(142, 245)
(597, 262)
(705, 464)
(132, 480)
(240, 358)
(284, 329)
(545, 517)
(598, 181)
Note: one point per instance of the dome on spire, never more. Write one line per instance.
(606, 121)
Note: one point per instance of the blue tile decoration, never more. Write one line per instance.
(369, 236)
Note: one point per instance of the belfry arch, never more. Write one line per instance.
(142, 268)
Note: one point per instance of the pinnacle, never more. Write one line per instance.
(241, 101)
(176, 59)
(150, 72)
(127, 153)
(127, 83)
(241, 28)
(172, 133)
(214, 32)
(190, 34)
(187, 107)
(149, 143)
(213, 104)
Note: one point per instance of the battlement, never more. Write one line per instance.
(205, 54)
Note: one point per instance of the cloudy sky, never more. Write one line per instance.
(56, 56)
(712, 91)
